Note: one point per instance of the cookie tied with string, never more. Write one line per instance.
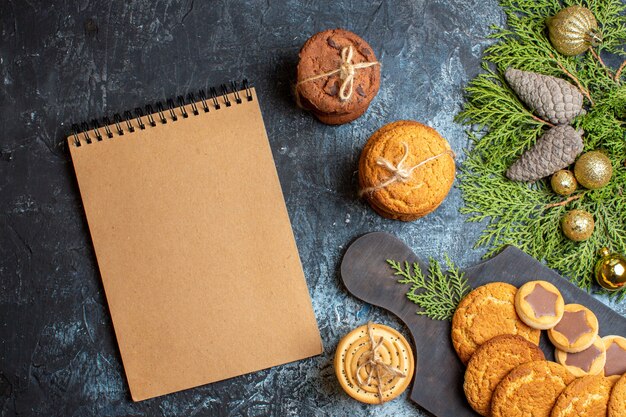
(338, 76)
(406, 170)
(374, 363)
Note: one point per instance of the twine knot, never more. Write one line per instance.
(346, 71)
(374, 365)
(400, 173)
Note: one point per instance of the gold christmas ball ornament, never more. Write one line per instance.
(573, 30)
(593, 170)
(563, 182)
(577, 225)
(611, 270)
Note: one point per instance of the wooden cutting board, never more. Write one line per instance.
(438, 381)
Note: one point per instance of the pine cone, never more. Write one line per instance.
(554, 150)
(553, 99)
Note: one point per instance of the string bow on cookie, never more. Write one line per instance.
(374, 365)
(399, 172)
(346, 71)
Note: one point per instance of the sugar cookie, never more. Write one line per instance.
(587, 362)
(539, 304)
(576, 331)
(615, 356)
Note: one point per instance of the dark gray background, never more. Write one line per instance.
(66, 61)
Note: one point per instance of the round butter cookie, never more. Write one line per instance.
(587, 396)
(617, 401)
(539, 304)
(406, 170)
(531, 389)
(576, 331)
(491, 363)
(487, 312)
(374, 359)
(587, 362)
(615, 365)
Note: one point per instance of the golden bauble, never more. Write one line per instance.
(577, 225)
(573, 30)
(611, 270)
(593, 170)
(563, 182)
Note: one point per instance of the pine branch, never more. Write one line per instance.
(439, 294)
(564, 202)
(575, 79)
(618, 73)
(502, 128)
(599, 58)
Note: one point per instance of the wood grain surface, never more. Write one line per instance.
(438, 383)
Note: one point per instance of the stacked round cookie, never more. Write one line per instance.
(406, 170)
(496, 330)
(338, 76)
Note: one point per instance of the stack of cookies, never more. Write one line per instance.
(496, 330)
(338, 76)
(578, 346)
(406, 170)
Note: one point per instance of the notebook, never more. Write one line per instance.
(193, 242)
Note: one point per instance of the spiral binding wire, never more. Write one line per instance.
(129, 122)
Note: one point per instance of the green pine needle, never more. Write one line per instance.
(503, 128)
(439, 294)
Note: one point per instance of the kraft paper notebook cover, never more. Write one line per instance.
(194, 244)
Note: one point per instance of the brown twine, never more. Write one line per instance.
(346, 71)
(399, 172)
(376, 365)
